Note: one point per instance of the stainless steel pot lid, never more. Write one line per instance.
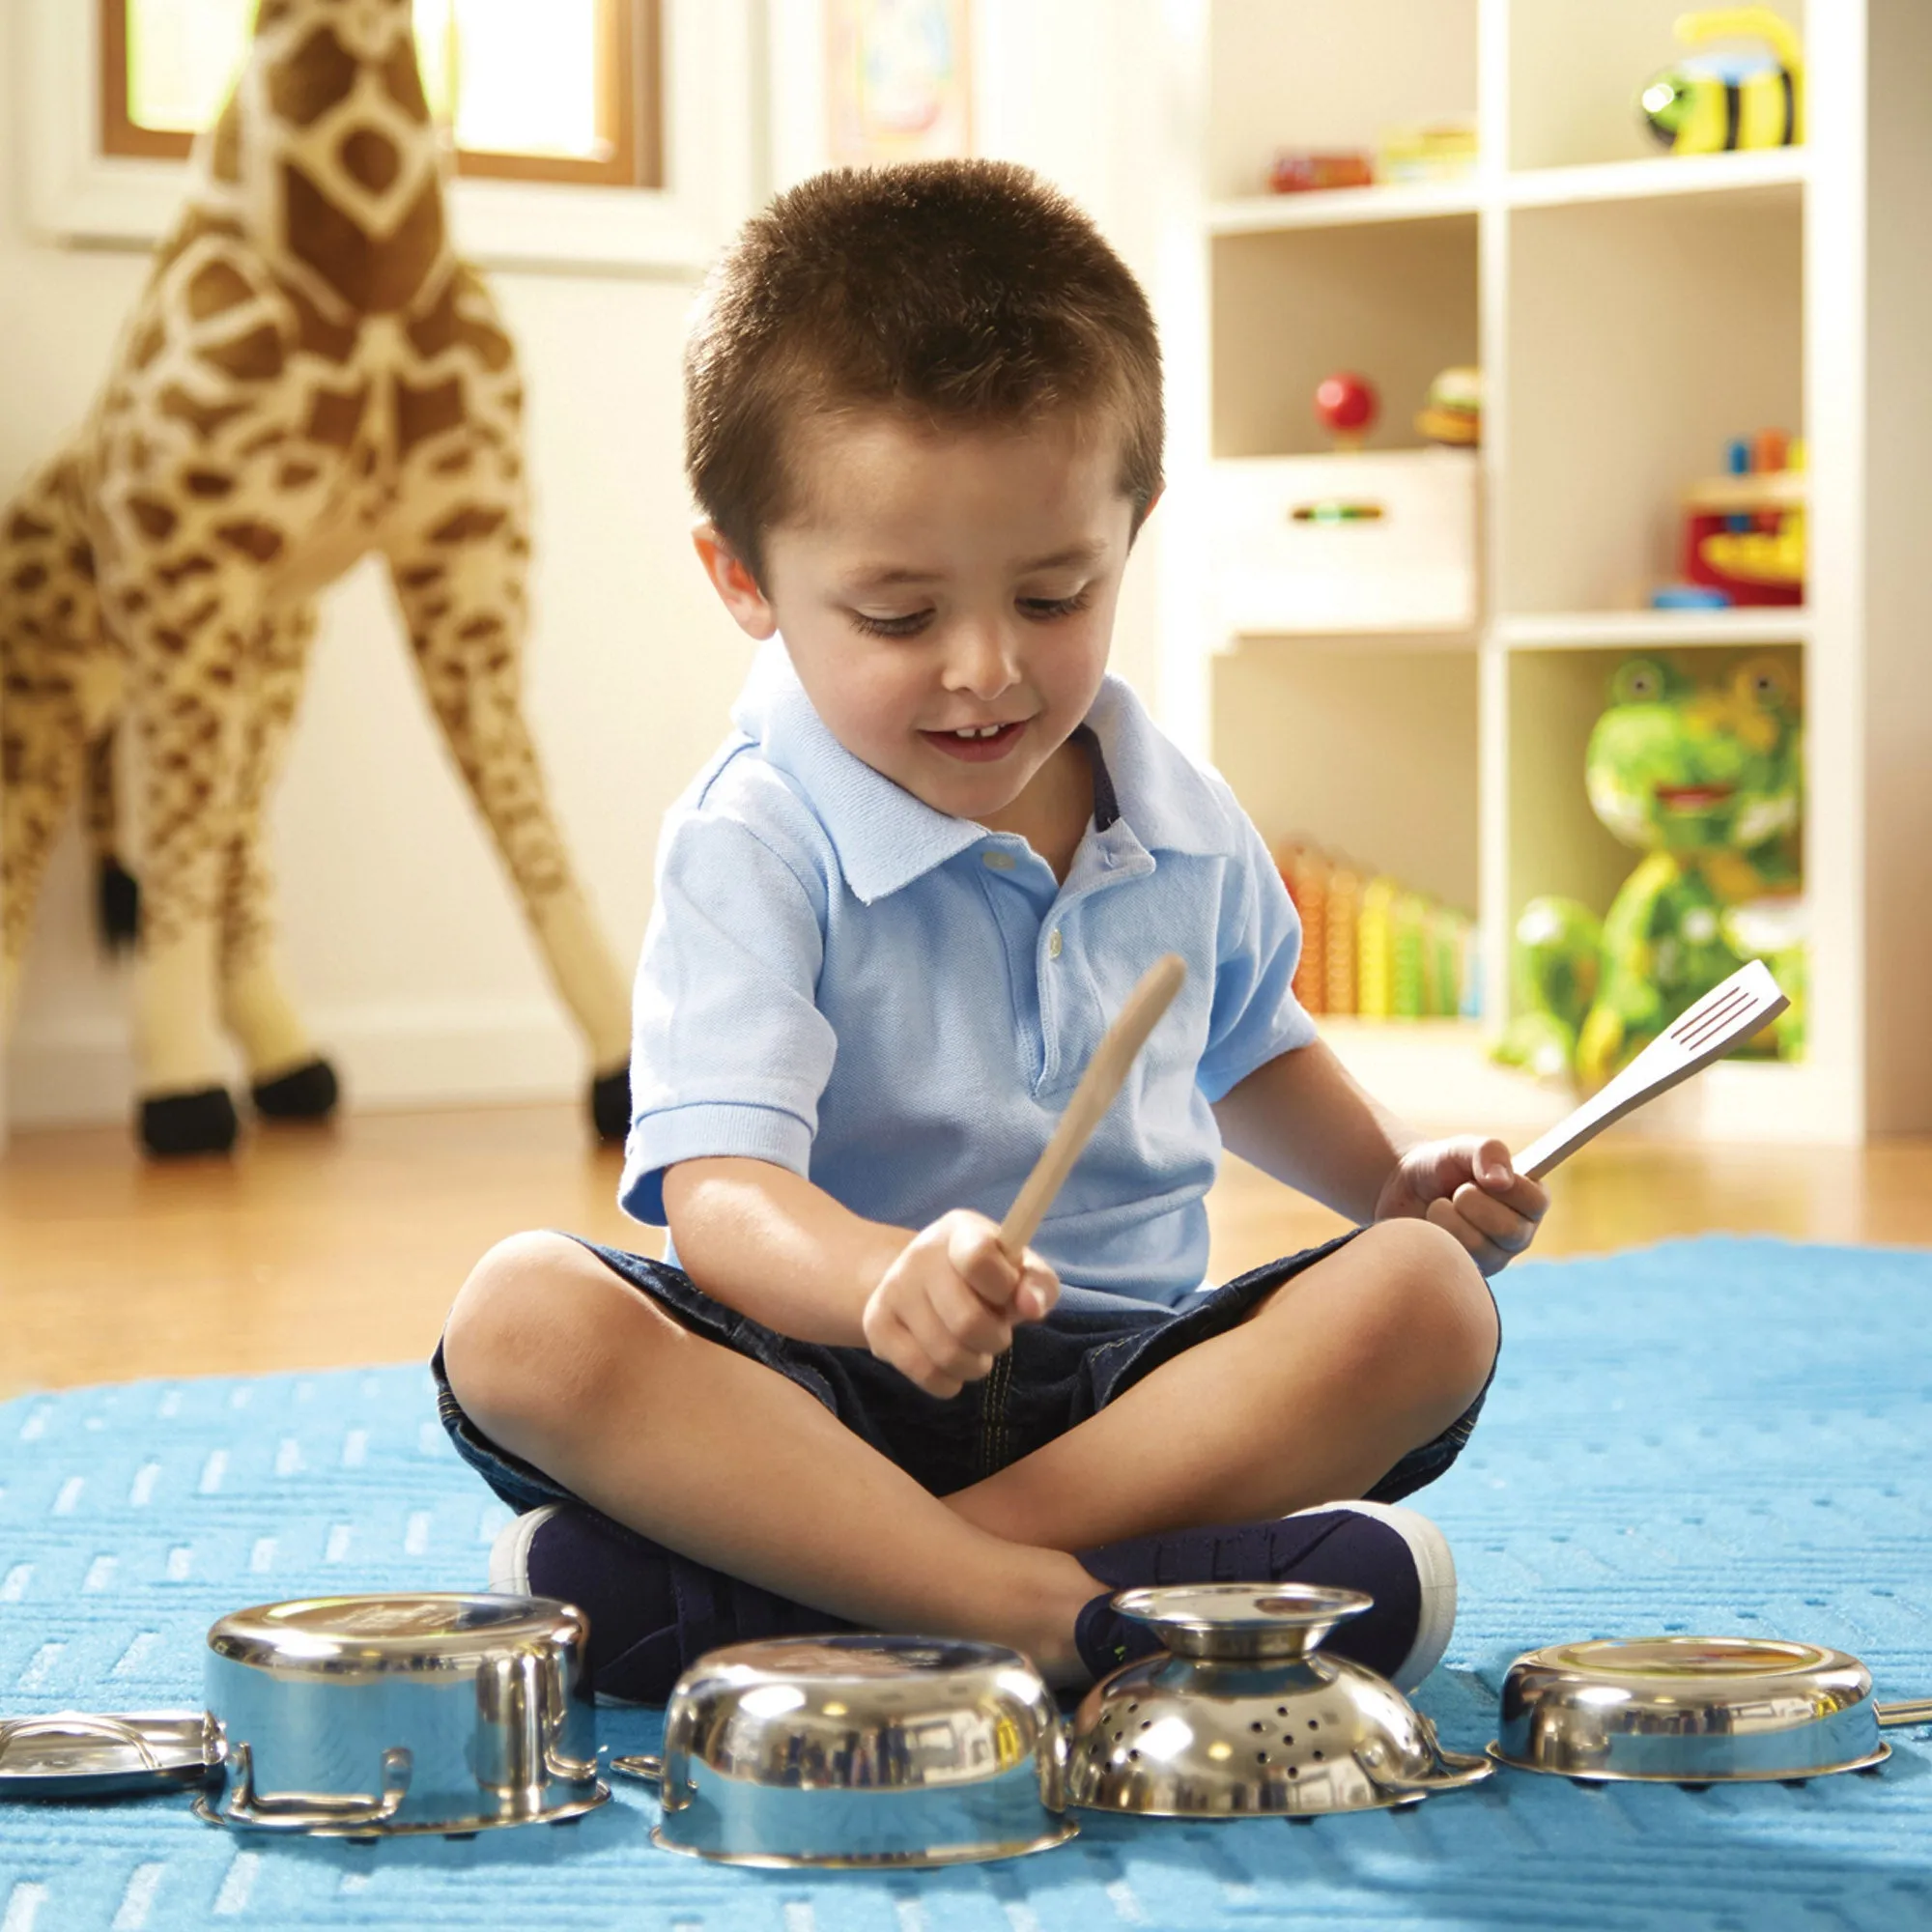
(1692, 1709)
(78, 1754)
(406, 1631)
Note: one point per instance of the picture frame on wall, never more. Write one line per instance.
(898, 80)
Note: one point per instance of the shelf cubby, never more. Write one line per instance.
(1332, 739)
(1353, 73)
(1577, 69)
(1397, 303)
(1642, 336)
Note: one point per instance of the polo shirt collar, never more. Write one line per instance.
(886, 839)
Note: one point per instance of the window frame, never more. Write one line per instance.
(77, 194)
(628, 110)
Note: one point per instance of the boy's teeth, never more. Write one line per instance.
(979, 730)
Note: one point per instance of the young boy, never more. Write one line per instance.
(894, 915)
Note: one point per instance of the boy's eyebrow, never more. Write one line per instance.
(886, 575)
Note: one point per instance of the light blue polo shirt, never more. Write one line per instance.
(898, 1003)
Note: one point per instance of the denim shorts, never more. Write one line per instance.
(1090, 1349)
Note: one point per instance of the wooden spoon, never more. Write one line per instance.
(1726, 1016)
(1119, 1047)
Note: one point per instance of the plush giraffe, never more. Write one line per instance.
(310, 373)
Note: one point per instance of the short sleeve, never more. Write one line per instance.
(1256, 1016)
(730, 1052)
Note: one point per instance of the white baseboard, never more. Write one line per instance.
(414, 1055)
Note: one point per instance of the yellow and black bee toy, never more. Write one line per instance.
(1731, 98)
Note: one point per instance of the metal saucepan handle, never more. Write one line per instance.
(306, 1810)
(86, 1726)
(1915, 1711)
(645, 1765)
(1457, 1768)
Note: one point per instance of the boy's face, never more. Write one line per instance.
(947, 597)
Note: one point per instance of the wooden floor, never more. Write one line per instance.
(316, 1249)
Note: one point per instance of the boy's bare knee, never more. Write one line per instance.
(515, 1347)
(1430, 1305)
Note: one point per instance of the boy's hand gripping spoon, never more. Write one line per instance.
(1726, 1016)
(1119, 1047)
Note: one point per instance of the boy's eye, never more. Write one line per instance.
(910, 625)
(1043, 610)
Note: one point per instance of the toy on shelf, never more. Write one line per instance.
(1705, 779)
(1453, 414)
(1307, 171)
(1744, 532)
(1347, 405)
(1734, 98)
(1438, 151)
(1374, 949)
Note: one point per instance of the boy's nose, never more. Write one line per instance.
(981, 662)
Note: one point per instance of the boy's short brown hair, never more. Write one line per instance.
(960, 292)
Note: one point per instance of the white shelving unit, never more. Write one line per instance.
(1632, 312)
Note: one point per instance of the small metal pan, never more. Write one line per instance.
(71, 1755)
(1693, 1711)
(860, 1751)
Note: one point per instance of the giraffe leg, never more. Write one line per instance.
(288, 1078)
(190, 686)
(61, 674)
(461, 587)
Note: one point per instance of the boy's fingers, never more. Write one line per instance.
(1496, 1175)
(1494, 1220)
(1039, 1288)
(892, 1342)
(973, 1249)
(968, 1319)
(951, 1357)
(1487, 1254)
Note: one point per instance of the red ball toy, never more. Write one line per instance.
(1347, 405)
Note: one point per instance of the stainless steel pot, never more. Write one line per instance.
(1693, 1709)
(1244, 1716)
(859, 1750)
(377, 1715)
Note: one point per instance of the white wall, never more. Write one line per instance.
(406, 945)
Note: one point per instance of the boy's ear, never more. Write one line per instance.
(736, 588)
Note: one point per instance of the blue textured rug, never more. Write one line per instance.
(1725, 1436)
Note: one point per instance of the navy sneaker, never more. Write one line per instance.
(1393, 1555)
(653, 1613)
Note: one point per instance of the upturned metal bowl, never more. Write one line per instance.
(1692, 1709)
(1244, 1716)
(367, 1717)
(856, 1750)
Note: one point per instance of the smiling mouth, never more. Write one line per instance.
(1692, 798)
(975, 744)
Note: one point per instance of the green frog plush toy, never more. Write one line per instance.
(1705, 779)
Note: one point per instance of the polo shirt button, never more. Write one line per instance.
(1053, 944)
(1001, 862)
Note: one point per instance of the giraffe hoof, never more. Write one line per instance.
(307, 1092)
(175, 1125)
(611, 1104)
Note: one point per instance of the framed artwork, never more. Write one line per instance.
(898, 80)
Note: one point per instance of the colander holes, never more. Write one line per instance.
(1294, 1771)
(1134, 1757)
(1261, 1758)
(1281, 1709)
(1256, 1725)
(1314, 1724)
(1133, 1707)
(1146, 1723)
(1316, 1756)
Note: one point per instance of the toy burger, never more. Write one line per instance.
(1453, 412)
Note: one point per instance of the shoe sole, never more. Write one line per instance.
(510, 1554)
(1436, 1572)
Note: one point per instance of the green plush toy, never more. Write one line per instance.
(1705, 779)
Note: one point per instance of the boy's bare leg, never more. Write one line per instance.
(1359, 1359)
(563, 1364)
(1348, 1366)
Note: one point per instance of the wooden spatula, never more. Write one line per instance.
(1726, 1016)
(1119, 1046)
